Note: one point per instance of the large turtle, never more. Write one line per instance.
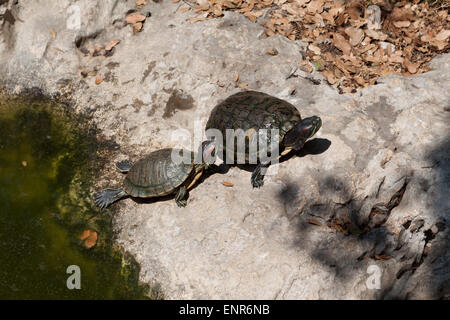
(252, 111)
(158, 174)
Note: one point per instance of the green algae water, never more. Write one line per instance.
(47, 161)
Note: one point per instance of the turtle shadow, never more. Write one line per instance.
(169, 197)
(312, 147)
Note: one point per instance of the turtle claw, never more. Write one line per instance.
(104, 198)
(257, 177)
(181, 203)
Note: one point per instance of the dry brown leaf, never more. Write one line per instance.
(356, 35)
(134, 18)
(111, 45)
(382, 257)
(236, 76)
(314, 49)
(360, 81)
(402, 24)
(329, 76)
(412, 67)
(196, 19)
(141, 3)
(250, 16)
(443, 35)
(314, 221)
(98, 79)
(377, 35)
(315, 6)
(227, 184)
(182, 10)
(306, 68)
(89, 237)
(342, 44)
(53, 33)
(137, 27)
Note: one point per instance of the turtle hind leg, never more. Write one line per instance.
(258, 175)
(104, 198)
(179, 198)
(124, 166)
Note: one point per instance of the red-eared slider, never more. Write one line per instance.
(252, 111)
(160, 173)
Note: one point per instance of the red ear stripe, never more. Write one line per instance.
(208, 151)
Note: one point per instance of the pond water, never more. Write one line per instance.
(47, 160)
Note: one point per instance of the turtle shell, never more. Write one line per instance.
(252, 111)
(157, 175)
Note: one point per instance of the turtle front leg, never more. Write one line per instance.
(258, 174)
(179, 198)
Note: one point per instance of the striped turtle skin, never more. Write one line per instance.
(252, 111)
(156, 175)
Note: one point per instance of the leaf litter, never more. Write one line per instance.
(352, 43)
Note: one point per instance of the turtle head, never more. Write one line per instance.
(208, 152)
(302, 131)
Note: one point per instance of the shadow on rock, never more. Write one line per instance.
(312, 147)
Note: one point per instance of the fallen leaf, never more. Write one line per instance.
(227, 184)
(196, 19)
(137, 27)
(306, 68)
(111, 45)
(382, 257)
(342, 44)
(89, 237)
(314, 221)
(53, 33)
(330, 76)
(443, 35)
(99, 79)
(141, 3)
(412, 67)
(236, 76)
(134, 18)
(356, 35)
(184, 9)
(402, 24)
(314, 49)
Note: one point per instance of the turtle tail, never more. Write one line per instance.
(104, 198)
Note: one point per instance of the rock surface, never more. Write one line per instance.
(370, 190)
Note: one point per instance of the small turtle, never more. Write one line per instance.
(158, 175)
(252, 111)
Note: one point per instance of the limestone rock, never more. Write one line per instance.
(370, 189)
